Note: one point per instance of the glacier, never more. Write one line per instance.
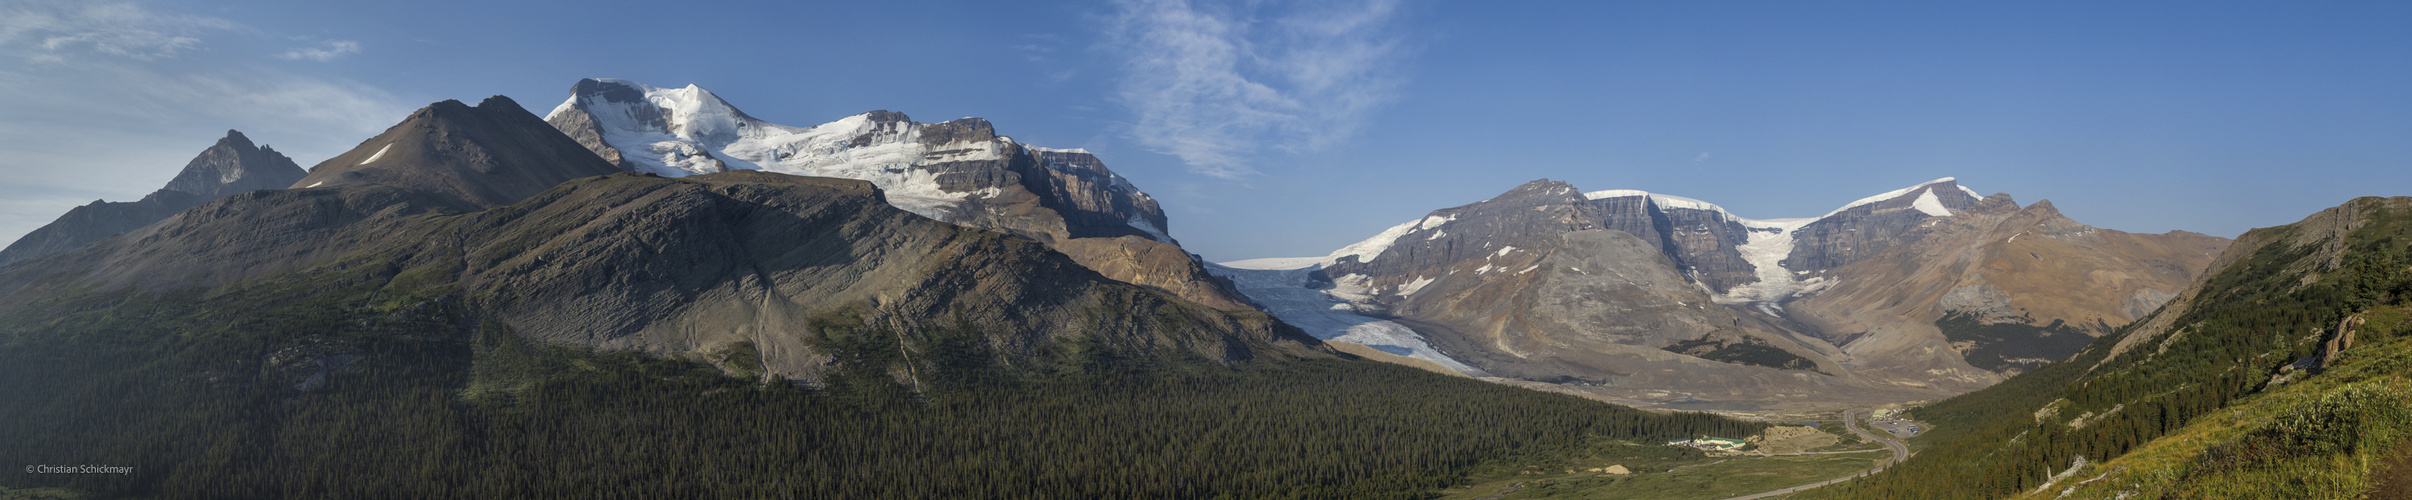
(1280, 286)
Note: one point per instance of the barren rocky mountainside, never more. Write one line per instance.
(761, 273)
(2007, 288)
(1661, 300)
(233, 165)
(486, 156)
(958, 171)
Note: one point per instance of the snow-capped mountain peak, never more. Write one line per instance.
(1763, 262)
(950, 171)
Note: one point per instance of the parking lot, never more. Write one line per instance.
(1899, 428)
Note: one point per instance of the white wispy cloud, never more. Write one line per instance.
(324, 51)
(52, 31)
(1214, 83)
(1039, 47)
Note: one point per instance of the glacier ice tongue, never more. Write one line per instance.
(1328, 314)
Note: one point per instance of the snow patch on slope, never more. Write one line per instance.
(1927, 202)
(1897, 193)
(379, 154)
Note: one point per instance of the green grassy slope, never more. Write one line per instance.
(2324, 435)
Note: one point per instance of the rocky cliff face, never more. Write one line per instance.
(959, 171)
(1699, 238)
(233, 165)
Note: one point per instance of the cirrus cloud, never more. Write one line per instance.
(1215, 83)
(324, 51)
(53, 31)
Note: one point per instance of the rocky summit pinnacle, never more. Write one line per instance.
(234, 166)
(231, 166)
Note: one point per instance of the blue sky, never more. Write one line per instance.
(1285, 129)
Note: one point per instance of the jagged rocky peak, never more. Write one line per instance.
(967, 129)
(607, 90)
(885, 116)
(232, 165)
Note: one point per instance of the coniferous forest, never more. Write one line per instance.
(343, 384)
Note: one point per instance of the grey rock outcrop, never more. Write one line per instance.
(1701, 243)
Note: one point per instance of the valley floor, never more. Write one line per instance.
(1658, 471)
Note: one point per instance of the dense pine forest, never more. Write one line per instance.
(2253, 319)
(346, 382)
